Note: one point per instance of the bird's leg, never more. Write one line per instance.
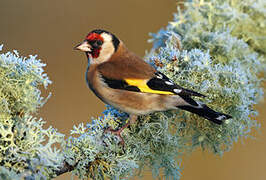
(132, 119)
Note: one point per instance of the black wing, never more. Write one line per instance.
(162, 83)
(159, 84)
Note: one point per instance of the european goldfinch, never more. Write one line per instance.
(122, 79)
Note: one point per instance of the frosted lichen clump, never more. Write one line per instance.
(98, 155)
(24, 145)
(221, 57)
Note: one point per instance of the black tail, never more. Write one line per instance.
(206, 112)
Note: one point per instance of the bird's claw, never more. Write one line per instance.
(117, 133)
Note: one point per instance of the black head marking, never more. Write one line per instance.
(115, 40)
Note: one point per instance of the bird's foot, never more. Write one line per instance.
(117, 133)
(133, 118)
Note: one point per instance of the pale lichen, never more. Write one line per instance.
(24, 144)
(217, 59)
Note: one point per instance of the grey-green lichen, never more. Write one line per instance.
(24, 144)
(215, 47)
(98, 155)
(219, 58)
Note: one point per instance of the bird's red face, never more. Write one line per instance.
(92, 44)
(99, 45)
(96, 41)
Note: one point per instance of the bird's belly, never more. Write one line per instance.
(132, 102)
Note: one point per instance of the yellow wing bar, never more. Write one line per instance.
(142, 85)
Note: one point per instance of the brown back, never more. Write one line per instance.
(125, 64)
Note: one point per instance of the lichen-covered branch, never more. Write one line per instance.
(64, 169)
(215, 47)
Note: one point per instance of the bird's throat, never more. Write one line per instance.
(95, 52)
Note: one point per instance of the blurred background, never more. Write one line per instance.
(51, 29)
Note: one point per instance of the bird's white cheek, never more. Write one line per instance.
(106, 52)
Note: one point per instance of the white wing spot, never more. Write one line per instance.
(168, 83)
(221, 117)
(159, 76)
(177, 90)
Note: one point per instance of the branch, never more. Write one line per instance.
(64, 169)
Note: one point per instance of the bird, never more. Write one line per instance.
(125, 81)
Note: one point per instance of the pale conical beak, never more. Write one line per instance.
(84, 46)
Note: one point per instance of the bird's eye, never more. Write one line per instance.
(99, 42)
(96, 43)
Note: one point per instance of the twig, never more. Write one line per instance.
(66, 168)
